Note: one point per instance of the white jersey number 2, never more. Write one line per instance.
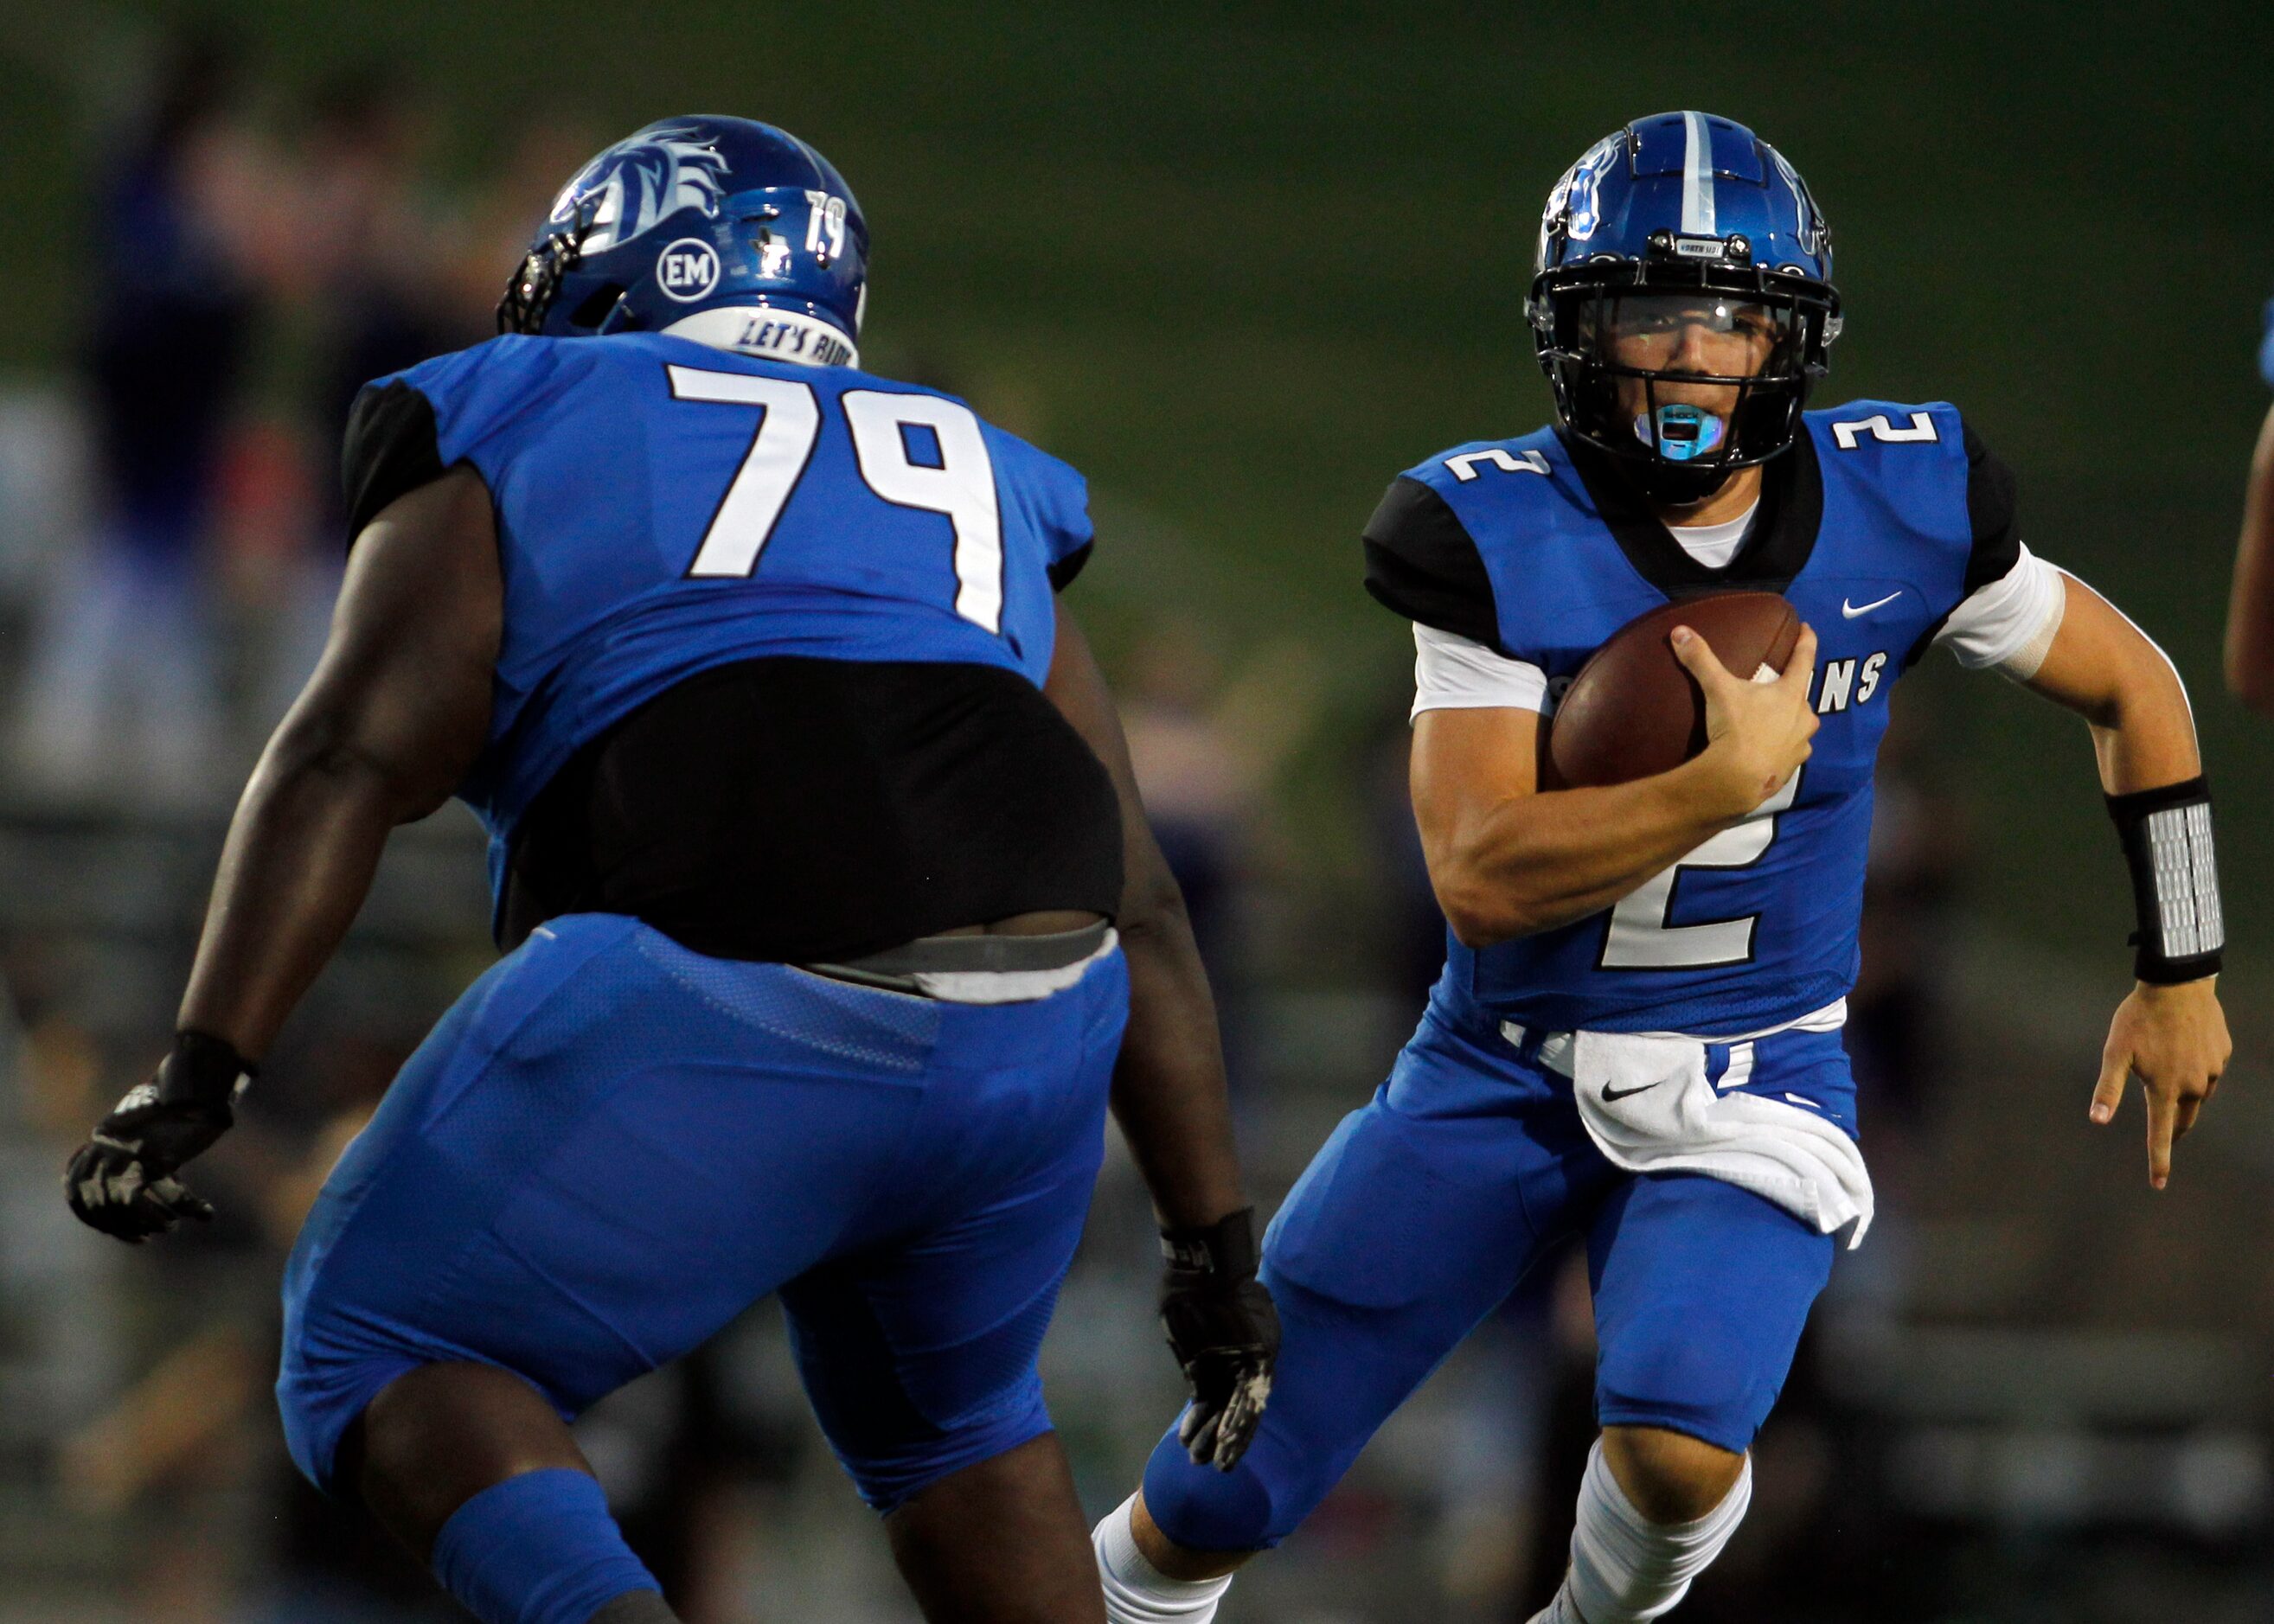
(1640, 938)
(962, 486)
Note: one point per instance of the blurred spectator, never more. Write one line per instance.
(377, 259)
(1412, 936)
(43, 481)
(1200, 786)
(278, 571)
(501, 221)
(122, 690)
(1898, 1015)
(1206, 747)
(375, 274)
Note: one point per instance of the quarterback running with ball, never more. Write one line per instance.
(1635, 1041)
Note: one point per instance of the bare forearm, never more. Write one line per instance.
(1536, 862)
(395, 714)
(2105, 670)
(2150, 741)
(396, 711)
(1169, 1085)
(299, 862)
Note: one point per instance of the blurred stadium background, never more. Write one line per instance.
(1241, 265)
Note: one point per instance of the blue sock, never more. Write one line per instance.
(537, 1549)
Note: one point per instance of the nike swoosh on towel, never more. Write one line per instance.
(1610, 1094)
(1848, 610)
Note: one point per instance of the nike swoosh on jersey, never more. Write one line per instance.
(1610, 1094)
(1848, 610)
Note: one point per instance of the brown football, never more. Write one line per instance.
(1633, 710)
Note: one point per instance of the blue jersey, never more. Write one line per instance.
(664, 507)
(1876, 525)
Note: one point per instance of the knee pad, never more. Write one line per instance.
(538, 1549)
(1689, 1370)
(1251, 1508)
(1702, 1293)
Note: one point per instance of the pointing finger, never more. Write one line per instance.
(2162, 1116)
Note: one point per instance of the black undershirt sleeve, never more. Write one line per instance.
(1990, 512)
(390, 449)
(1421, 561)
(1062, 572)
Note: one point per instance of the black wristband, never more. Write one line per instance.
(204, 1070)
(2166, 835)
(1225, 1249)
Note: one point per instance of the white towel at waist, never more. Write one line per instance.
(1647, 1104)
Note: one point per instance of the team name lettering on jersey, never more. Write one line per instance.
(1840, 678)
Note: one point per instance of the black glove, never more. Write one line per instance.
(122, 1180)
(1225, 1334)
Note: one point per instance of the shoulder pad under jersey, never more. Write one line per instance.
(1926, 464)
(406, 430)
(1421, 554)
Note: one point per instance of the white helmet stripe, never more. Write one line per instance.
(1696, 177)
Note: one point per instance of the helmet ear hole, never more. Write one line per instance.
(596, 305)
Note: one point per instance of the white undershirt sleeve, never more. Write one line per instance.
(1452, 673)
(2008, 622)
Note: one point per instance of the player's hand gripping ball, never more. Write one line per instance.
(1225, 1333)
(122, 1180)
(1633, 711)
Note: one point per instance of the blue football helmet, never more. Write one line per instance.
(694, 224)
(1690, 204)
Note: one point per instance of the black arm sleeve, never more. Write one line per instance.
(391, 448)
(1989, 511)
(1421, 561)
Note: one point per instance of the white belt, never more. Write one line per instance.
(1556, 1048)
(1010, 986)
(980, 969)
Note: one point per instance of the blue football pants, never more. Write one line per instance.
(610, 1146)
(1421, 1214)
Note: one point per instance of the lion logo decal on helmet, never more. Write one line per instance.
(1577, 190)
(637, 183)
